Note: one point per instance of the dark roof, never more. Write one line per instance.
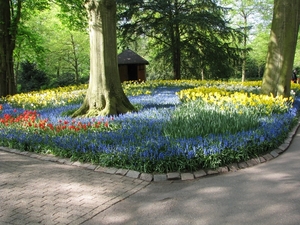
(130, 57)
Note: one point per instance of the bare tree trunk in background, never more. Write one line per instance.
(75, 61)
(282, 47)
(244, 58)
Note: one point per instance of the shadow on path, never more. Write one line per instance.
(34, 191)
(264, 194)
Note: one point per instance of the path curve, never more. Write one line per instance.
(265, 194)
(35, 190)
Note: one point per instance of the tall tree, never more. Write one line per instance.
(105, 95)
(10, 14)
(61, 52)
(245, 15)
(282, 47)
(181, 29)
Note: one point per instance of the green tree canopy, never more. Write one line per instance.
(191, 36)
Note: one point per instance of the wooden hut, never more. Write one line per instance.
(131, 66)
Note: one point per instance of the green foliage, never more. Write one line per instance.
(73, 14)
(61, 53)
(66, 79)
(257, 57)
(189, 36)
(30, 78)
(297, 55)
(196, 118)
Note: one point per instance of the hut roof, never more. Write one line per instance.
(130, 57)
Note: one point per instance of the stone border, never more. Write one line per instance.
(168, 176)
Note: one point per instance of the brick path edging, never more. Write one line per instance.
(167, 176)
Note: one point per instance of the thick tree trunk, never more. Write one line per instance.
(282, 46)
(105, 95)
(7, 43)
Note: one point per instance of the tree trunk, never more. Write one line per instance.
(245, 36)
(175, 41)
(7, 45)
(105, 95)
(282, 47)
(74, 62)
(177, 59)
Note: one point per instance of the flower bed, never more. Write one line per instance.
(224, 123)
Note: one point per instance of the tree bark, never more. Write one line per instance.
(8, 30)
(105, 95)
(245, 36)
(175, 41)
(74, 62)
(282, 47)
